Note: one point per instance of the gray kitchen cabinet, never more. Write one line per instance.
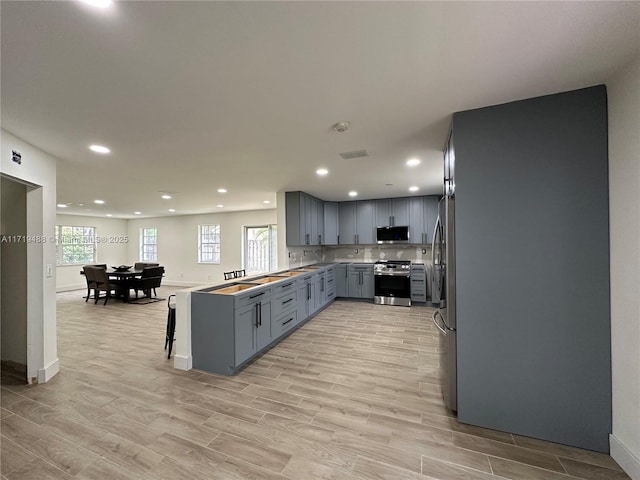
(252, 329)
(418, 283)
(320, 283)
(307, 295)
(357, 222)
(347, 223)
(392, 211)
(341, 280)
(330, 295)
(360, 280)
(304, 219)
(331, 224)
(423, 212)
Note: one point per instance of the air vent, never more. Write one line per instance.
(354, 154)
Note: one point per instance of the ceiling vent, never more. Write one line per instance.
(354, 154)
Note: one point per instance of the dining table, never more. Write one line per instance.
(122, 276)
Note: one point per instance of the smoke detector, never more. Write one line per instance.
(341, 127)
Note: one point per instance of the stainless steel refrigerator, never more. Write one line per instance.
(444, 297)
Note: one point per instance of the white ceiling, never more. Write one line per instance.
(193, 96)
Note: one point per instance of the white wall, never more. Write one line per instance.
(624, 191)
(178, 244)
(13, 325)
(111, 250)
(38, 169)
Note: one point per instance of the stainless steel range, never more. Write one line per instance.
(392, 282)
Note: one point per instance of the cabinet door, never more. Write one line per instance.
(368, 287)
(400, 211)
(330, 223)
(294, 211)
(365, 219)
(303, 302)
(306, 219)
(417, 227)
(430, 215)
(347, 222)
(341, 281)
(320, 221)
(383, 212)
(245, 328)
(355, 288)
(263, 330)
(313, 221)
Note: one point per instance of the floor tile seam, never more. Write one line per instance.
(365, 457)
(35, 455)
(564, 473)
(466, 466)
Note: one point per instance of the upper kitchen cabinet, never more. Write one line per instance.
(357, 222)
(305, 219)
(392, 212)
(423, 212)
(331, 227)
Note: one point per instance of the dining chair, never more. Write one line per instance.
(142, 265)
(171, 324)
(103, 284)
(229, 275)
(150, 279)
(90, 278)
(240, 273)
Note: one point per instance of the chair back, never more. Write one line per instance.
(99, 275)
(88, 274)
(240, 273)
(229, 275)
(143, 265)
(148, 272)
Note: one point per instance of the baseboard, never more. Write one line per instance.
(625, 457)
(47, 373)
(70, 288)
(182, 362)
(177, 283)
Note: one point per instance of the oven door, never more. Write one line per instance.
(392, 290)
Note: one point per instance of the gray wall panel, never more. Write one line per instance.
(533, 268)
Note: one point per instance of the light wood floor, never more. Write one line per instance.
(352, 395)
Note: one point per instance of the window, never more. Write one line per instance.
(260, 249)
(75, 245)
(149, 244)
(208, 243)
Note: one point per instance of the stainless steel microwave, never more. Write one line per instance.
(392, 234)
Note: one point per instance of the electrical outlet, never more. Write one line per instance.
(182, 275)
(356, 250)
(424, 251)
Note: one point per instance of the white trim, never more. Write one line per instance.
(178, 283)
(625, 458)
(182, 362)
(47, 373)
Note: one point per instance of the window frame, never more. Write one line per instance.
(60, 246)
(201, 243)
(143, 243)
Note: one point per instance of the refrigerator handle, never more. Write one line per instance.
(445, 329)
(433, 242)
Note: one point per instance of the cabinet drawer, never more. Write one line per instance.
(253, 296)
(283, 287)
(283, 303)
(284, 323)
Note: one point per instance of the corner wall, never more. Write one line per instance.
(624, 195)
(39, 170)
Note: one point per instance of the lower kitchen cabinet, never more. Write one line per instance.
(418, 283)
(252, 330)
(360, 280)
(341, 280)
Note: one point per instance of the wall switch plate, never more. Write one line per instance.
(49, 270)
(424, 250)
(356, 250)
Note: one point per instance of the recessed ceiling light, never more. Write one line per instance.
(166, 197)
(109, 215)
(99, 149)
(172, 210)
(99, 202)
(98, 3)
(353, 193)
(222, 190)
(137, 213)
(62, 205)
(220, 206)
(322, 171)
(266, 201)
(413, 189)
(412, 162)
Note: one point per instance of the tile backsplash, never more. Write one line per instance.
(299, 256)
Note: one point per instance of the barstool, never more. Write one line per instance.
(171, 325)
